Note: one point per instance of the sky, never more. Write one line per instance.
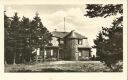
(52, 16)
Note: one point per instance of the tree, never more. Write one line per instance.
(16, 39)
(22, 36)
(100, 10)
(7, 47)
(40, 36)
(26, 51)
(109, 42)
(11, 26)
(15, 26)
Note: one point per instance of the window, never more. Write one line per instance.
(45, 53)
(79, 53)
(38, 51)
(80, 41)
(51, 52)
(61, 41)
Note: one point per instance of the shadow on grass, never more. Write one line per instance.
(45, 70)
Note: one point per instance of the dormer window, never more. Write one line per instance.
(80, 41)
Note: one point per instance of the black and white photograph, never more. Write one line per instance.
(63, 38)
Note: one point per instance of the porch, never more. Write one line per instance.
(50, 53)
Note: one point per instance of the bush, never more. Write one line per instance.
(118, 67)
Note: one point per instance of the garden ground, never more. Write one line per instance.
(59, 66)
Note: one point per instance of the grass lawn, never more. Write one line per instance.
(59, 66)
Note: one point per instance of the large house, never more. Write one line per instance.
(67, 46)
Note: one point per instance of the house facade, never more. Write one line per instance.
(67, 46)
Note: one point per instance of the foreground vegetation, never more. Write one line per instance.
(60, 66)
(109, 40)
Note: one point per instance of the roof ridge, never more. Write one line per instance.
(64, 34)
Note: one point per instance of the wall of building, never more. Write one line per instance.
(84, 54)
(84, 43)
(55, 41)
(71, 49)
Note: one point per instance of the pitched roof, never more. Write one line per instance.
(71, 34)
(59, 34)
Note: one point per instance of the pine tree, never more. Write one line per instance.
(40, 36)
(15, 25)
(7, 47)
(21, 37)
(109, 42)
(25, 40)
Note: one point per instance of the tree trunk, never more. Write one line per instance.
(14, 60)
(43, 53)
(58, 55)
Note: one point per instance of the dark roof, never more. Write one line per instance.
(59, 34)
(71, 34)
